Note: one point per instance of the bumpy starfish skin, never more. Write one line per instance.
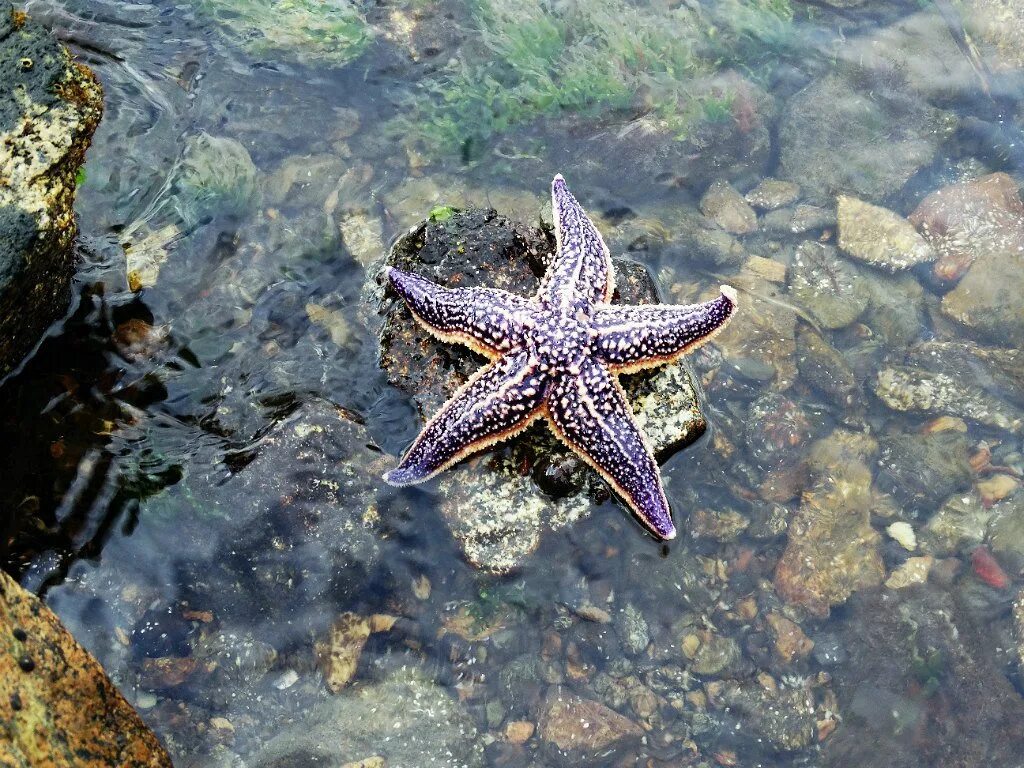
(556, 356)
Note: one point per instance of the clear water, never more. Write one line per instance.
(125, 437)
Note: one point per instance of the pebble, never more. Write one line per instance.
(727, 208)
(519, 731)
(904, 534)
(914, 570)
(879, 237)
(770, 194)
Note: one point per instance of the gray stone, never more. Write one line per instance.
(770, 194)
(836, 139)
(727, 208)
(632, 629)
(879, 237)
(924, 467)
(826, 285)
(49, 107)
(407, 719)
(918, 390)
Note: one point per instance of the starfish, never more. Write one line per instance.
(556, 356)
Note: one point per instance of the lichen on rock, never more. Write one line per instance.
(49, 107)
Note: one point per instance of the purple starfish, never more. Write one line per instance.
(556, 355)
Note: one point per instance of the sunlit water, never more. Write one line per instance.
(125, 437)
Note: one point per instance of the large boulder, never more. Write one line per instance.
(49, 107)
(837, 137)
(57, 706)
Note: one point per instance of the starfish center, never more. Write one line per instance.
(562, 341)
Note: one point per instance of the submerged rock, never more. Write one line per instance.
(770, 194)
(980, 218)
(994, 369)
(786, 719)
(826, 285)
(494, 509)
(822, 366)
(879, 237)
(727, 208)
(918, 390)
(960, 522)
(407, 719)
(307, 31)
(578, 730)
(764, 333)
(837, 139)
(832, 549)
(57, 706)
(919, 665)
(49, 108)
(924, 468)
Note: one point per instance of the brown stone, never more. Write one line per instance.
(790, 641)
(338, 655)
(519, 731)
(57, 706)
(580, 728)
(968, 216)
(832, 549)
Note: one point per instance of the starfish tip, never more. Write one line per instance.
(558, 180)
(729, 292)
(396, 477)
(669, 534)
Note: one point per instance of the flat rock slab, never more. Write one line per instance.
(49, 108)
(57, 706)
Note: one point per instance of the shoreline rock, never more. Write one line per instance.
(48, 114)
(57, 705)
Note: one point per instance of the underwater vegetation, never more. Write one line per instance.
(535, 59)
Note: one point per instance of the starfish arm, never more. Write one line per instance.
(631, 338)
(582, 267)
(589, 412)
(486, 320)
(499, 401)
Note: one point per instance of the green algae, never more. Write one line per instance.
(541, 60)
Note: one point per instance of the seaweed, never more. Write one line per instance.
(540, 60)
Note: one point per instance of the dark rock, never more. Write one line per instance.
(822, 366)
(49, 108)
(498, 515)
(924, 468)
(162, 632)
(57, 706)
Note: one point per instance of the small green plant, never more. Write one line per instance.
(442, 213)
(80, 177)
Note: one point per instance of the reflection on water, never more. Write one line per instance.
(197, 448)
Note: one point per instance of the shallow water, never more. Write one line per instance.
(236, 202)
